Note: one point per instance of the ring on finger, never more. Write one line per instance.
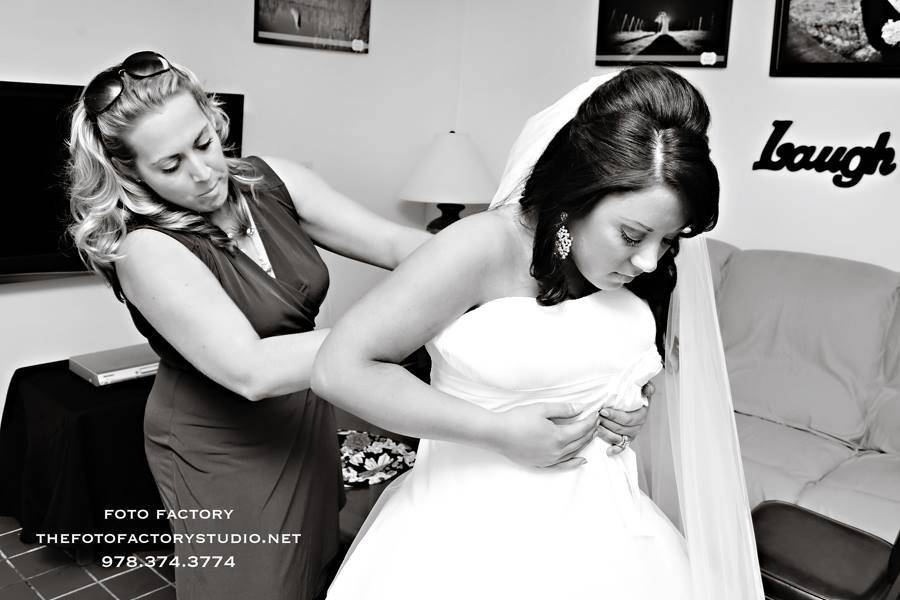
(624, 442)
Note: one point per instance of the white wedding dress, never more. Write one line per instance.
(468, 523)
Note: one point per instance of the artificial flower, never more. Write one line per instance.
(890, 32)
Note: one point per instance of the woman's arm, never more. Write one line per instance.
(341, 225)
(355, 369)
(184, 302)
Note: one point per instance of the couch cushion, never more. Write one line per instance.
(804, 337)
(884, 415)
(884, 422)
(864, 492)
(779, 461)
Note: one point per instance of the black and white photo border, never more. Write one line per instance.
(625, 30)
(830, 44)
(341, 25)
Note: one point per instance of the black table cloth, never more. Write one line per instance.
(70, 450)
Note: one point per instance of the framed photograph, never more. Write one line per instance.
(341, 25)
(836, 38)
(679, 33)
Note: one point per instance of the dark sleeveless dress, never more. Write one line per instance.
(274, 462)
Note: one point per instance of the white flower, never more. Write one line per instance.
(381, 476)
(375, 447)
(357, 459)
(890, 33)
(383, 461)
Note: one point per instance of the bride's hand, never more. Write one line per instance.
(546, 434)
(614, 424)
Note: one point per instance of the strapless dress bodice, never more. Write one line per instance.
(512, 351)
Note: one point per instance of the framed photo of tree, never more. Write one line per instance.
(341, 25)
(836, 38)
(682, 33)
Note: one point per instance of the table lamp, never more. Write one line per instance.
(450, 174)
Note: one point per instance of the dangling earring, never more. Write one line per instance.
(563, 244)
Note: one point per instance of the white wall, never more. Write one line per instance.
(480, 66)
(520, 55)
(360, 120)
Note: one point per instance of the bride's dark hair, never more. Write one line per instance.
(645, 127)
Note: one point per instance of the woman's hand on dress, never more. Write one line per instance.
(546, 434)
(615, 424)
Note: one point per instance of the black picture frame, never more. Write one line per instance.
(340, 25)
(841, 40)
(677, 33)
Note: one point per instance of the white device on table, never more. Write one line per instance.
(118, 364)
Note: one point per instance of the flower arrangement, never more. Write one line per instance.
(368, 459)
(890, 32)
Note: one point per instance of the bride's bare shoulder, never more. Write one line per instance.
(488, 251)
(495, 233)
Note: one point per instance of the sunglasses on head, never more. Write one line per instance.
(105, 88)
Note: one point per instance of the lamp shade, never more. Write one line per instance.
(451, 172)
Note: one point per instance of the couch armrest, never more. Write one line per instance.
(803, 554)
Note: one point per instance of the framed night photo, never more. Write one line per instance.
(680, 33)
(836, 38)
(341, 25)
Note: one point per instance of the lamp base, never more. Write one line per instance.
(449, 214)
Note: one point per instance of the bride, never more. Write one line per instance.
(560, 294)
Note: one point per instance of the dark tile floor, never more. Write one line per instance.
(36, 572)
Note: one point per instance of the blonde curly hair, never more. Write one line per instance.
(106, 196)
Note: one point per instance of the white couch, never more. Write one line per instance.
(813, 351)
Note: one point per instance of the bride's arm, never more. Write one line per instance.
(356, 367)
